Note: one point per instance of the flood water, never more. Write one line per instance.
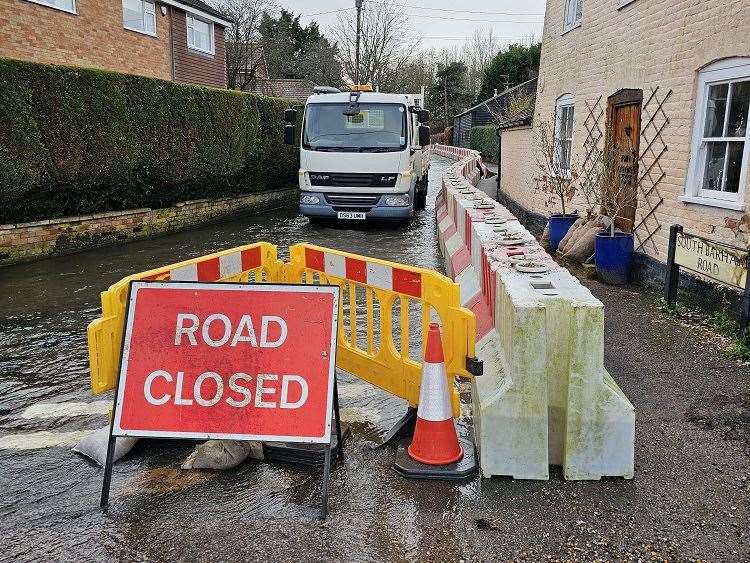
(49, 502)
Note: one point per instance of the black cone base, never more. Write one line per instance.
(465, 468)
(309, 455)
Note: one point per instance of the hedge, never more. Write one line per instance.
(76, 141)
(483, 138)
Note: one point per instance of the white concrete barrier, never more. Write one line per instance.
(545, 397)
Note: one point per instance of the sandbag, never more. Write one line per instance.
(222, 454)
(573, 228)
(94, 446)
(580, 231)
(583, 247)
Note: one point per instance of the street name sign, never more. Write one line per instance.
(721, 262)
(227, 361)
(718, 261)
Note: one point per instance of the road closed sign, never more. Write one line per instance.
(224, 360)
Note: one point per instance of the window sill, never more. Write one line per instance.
(134, 30)
(571, 28)
(201, 51)
(709, 202)
(622, 3)
(58, 8)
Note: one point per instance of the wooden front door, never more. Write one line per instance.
(621, 155)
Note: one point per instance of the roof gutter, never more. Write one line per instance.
(197, 12)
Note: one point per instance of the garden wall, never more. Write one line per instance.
(53, 237)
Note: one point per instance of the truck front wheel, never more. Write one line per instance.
(420, 195)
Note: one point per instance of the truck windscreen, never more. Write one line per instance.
(376, 128)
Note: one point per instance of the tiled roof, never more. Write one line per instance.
(292, 88)
(501, 104)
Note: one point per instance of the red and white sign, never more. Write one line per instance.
(224, 360)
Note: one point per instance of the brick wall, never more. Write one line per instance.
(94, 37)
(30, 241)
(644, 45)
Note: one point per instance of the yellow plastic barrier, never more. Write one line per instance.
(370, 290)
(252, 262)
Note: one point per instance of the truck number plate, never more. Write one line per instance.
(350, 215)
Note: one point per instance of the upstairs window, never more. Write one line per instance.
(64, 5)
(200, 34)
(721, 139)
(139, 15)
(564, 116)
(573, 14)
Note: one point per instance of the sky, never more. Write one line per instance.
(441, 23)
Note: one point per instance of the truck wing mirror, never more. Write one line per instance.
(424, 135)
(289, 134)
(290, 115)
(423, 115)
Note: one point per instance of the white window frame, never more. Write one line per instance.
(564, 101)
(188, 24)
(623, 3)
(725, 71)
(73, 9)
(145, 13)
(576, 8)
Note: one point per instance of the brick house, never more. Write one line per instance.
(669, 79)
(180, 40)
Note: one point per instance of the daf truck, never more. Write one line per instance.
(363, 154)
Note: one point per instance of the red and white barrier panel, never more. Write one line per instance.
(361, 271)
(213, 269)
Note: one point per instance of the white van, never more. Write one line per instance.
(362, 154)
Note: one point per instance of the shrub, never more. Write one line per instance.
(483, 138)
(77, 141)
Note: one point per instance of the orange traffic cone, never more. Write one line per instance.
(435, 440)
(435, 451)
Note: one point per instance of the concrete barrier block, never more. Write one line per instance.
(545, 397)
(510, 398)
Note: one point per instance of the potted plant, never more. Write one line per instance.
(613, 248)
(557, 181)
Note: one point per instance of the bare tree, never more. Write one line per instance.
(384, 47)
(607, 188)
(244, 52)
(556, 175)
(477, 54)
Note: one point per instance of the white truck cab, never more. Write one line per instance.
(362, 154)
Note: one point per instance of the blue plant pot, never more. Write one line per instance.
(559, 225)
(614, 257)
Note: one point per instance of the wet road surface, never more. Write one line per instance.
(689, 497)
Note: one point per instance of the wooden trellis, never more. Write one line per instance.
(594, 135)
(650, 169)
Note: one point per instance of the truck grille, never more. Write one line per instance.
(352, 200)
(353, 179)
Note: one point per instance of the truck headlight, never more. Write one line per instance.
(400, 200)
(309, 200)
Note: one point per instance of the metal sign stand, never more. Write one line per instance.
(673, 270)
(327, 460)
(106, 484)
(109, 463)
(104, 500)
(673, 279)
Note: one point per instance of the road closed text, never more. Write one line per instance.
(228, 360)
(239, 392)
